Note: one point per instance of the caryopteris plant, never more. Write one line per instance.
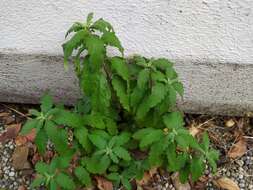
(128, 106)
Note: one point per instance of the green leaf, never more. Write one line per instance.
(113, 176)
(114, 158)
(111, 39)
(143, 78)
(120, 87)
(136, 96)
(184, 173)
(111, 126)
(46, 103)
(162, 63)
(67, 118)
(155, 153)
(150, 138)
(102, 26)
(95, 120)
(126, 183)
(122, 153)
(97, 164)
(98, 141)
(65, 181)
(34, 112)
(53, 184)
(58, 136)
(41, 167)
(89, 18)
(38, 181)
(83, 176)
(157, 95)
(197, 167)
(120, 67)
(178, 86)
(206, 142)
(171, 73)
(73, 43)
(29, 125)
(173, 120)
(138, 135)
(212, 157)
(41, 141)
(74, 28)
(81, 134)
(96, 51)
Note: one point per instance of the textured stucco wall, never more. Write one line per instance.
(219, 30)
(210, 40)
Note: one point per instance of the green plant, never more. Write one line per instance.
(127, 105)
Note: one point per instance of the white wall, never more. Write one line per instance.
(202, 30)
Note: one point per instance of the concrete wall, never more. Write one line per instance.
(210, 40)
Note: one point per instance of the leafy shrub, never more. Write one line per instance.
(127, 106)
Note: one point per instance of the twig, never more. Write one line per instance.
(16, 111)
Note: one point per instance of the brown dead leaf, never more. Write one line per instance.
(31, 135)
(4, 114)
(20, 140)
(226, 183)
(230, 123)
(103, 184)
(194, 130)
(10, 133)
(146, 177)
(238, 149)
(19, 157)
(177, 184)
(22, 187)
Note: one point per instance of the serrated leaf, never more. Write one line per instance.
(178, 86)
(162, 63)
(46, 103)
(120, 67)
(97, 164)
(111, 39)
(136, 96)
(89, 18)
(138, 135)
(150, 138)
(184, 174)
(206, 142)
(155, 153)
(139, 60)
(53, 184)
(74, 28)
(72, 44)
(29, 125)
(197, 168)
(113, 176)
(126, 184)
(58, 136)
(114, 158)
(95, 120)
(157, 95)
(212, 158)
(143, 78)
(102, 26)
(37, 182)
(96, 51)
(111, 126)
(81, 134)
(98, 141)
(41, 141)
(173, 120)
(65, 181)
(171, 73)
(120, 87)
(41, 167)
(83, 176)
(122, 153)
(67, 118)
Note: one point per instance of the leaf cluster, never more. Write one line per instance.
(127, 106)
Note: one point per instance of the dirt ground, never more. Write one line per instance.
(232, 136)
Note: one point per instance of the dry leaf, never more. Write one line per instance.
(146, 177)
(10, 133)
(103, 184)
(226, 183)
(19, 157)
(238, 149)
(194, 131)
(230, 123)
(31, 135)
(177, 184)
(20, 140)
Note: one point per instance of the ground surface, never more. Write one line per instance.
(232, 136)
